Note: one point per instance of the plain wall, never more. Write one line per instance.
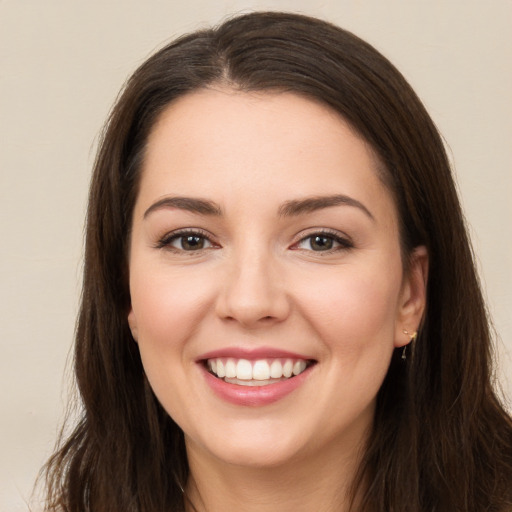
(61, 66)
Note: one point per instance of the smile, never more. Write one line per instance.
(260, 372)
(255, 377)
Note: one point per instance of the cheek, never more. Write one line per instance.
(354, 311)
(355, 320)
(167, 307)
(166, 301)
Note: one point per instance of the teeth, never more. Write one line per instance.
(299, 367)
(253, 383)
(288, 368)
(220, 369)
(261, 370)
(276, 369)
(244, 370)
(230, 369)
(264, 371)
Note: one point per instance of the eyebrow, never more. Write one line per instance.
(291, 208)
(191, 204)
(311, 204)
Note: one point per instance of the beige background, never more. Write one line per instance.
(61, 66)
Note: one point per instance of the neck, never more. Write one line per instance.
(320, 482)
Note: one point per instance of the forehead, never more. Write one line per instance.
(222, 115)
(276, 145)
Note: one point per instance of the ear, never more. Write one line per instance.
(413, 297)
(132, 322)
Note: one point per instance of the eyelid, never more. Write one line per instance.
(165, 241)
(343, 239)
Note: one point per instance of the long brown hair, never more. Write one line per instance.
(441, 441)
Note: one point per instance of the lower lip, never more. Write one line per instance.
(255, 396)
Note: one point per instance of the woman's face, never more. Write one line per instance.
(265, 245)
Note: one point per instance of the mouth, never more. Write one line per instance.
(259, 372)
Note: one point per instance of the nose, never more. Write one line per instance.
(253, 293)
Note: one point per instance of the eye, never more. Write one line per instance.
(323, 242)
(189, 241)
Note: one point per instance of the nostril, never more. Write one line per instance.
(251, 306)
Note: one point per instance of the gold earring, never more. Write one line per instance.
(412, 337)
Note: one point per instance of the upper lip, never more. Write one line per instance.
(252, 354)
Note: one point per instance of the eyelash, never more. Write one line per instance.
(344, 243)
(166, 241)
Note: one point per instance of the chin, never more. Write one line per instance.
(257, 448)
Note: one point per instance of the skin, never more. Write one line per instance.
(259, 282)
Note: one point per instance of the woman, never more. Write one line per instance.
(280, 308)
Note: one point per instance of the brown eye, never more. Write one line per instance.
(191, 242)
(324, 242)
(321, 243)
(188, 241)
